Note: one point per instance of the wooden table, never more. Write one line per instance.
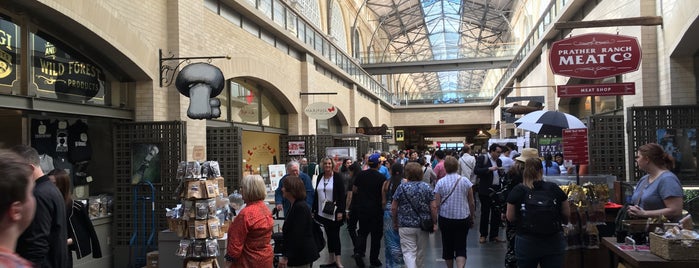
(639, 259)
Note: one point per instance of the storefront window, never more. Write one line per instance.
(224, 98)
(60, 73)
(245, 104)
(9, 56)
(274, 117)
(329, 126)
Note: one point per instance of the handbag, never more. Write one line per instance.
(425, 224)
(318, 236)
(329, 207)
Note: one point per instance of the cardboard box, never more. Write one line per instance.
(152, 259)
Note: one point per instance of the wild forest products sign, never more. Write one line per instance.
(594, 56)
(57, 73)
(320, 110)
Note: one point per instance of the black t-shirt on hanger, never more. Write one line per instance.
(79, 148)
(42, 136)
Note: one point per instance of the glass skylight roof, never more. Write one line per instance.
(428, 30)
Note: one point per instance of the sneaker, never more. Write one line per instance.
(359, 260)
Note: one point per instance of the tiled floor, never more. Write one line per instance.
(478, 255)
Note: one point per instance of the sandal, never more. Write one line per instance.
(497, 240)
(482, 240)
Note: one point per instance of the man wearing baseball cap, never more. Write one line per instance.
(367, 206)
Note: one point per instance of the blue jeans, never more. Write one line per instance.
(531, 251)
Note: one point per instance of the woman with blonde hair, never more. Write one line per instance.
(329, 208)
(250, 233)
(539, 209)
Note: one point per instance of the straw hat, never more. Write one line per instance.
(528, 153)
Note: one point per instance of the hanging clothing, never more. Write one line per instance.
(81, 230)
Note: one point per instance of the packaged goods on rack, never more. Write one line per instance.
(587, 211)
(202, 213)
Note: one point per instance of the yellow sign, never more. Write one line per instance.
(400, 135)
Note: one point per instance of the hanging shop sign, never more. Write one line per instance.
(575, 147)
(570, 91)
(61, 74)
(9, 47)
(594, 56)
(320, 110)
(371, 130)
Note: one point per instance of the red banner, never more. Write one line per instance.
(596, 90)
(593, 56)
(575, 145)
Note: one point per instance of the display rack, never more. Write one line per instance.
(200, 222)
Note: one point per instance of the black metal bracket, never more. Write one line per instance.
(316, 93)
(167, 72)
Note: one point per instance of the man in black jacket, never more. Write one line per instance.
(45, 242)
(488, 169)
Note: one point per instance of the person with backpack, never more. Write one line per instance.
(539, 209)
(512, 179)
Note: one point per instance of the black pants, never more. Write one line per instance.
(352, 227)
(510, 232)
(490, 217)
(454, 235)
(332, 232)
(370, 224)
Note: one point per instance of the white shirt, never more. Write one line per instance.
(496, 173)
(325, 192)
(507, 162)
(466, 165)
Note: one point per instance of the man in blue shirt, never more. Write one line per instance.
(293, 168)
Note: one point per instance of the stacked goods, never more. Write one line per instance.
(201, 217)
(587, 211)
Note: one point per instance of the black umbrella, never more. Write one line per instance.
(548, 122)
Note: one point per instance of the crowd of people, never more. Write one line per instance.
(398, 199)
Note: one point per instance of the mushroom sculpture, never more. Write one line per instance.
(201, 82)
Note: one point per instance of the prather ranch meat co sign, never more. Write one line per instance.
(594, 56)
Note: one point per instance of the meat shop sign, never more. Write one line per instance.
(594, 56)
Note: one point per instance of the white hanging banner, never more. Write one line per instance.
(320, 110)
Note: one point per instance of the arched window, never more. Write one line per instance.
(243, 103)
(337, 26)
(329, 126)
(356, 45)
(310, 9)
